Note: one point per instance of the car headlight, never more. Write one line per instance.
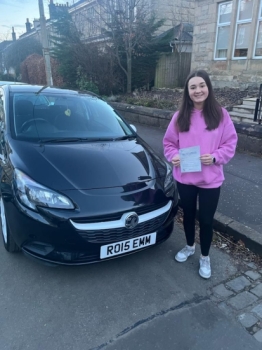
(169, 177)
(33, 194)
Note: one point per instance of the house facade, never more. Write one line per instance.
(90, 16)
(86, 15)
(227, 41)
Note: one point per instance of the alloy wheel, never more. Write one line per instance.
(3, 221)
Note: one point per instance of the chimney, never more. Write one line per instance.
(13, 34)
(52, 10)
(28, 26)
(36, 23)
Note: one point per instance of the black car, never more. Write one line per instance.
(78, 185)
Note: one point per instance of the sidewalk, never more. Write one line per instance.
(239, 212)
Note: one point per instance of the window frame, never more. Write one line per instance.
(219, 25)
(237, 23)
(259, 20)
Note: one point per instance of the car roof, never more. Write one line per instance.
(27, 88)
(2, 82)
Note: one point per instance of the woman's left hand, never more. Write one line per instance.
(206, 159)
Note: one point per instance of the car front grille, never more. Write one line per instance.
(104, 232)
(139, 210)
(122, 233)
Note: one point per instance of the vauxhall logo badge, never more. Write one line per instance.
(131, 220)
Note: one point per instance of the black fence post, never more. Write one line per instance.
(257, 114)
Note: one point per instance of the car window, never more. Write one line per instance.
(47, 116)
(103, 117)
(35, 99)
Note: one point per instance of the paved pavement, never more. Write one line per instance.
(144, 301)
(240, 207)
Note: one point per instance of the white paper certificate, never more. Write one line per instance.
(190, 159)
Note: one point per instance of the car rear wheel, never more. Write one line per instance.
(9, 242)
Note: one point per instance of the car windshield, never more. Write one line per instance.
(64, 118)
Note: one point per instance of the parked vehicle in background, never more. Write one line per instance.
(78, 185)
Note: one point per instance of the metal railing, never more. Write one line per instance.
(257, 115)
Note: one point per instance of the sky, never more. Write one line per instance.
(13, 13)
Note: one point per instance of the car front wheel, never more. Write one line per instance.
(9, 242)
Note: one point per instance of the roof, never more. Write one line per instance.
(4, 44)
(181, 32)
(77, 3)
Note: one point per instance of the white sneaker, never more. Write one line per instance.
(185, 253)
(205, 268)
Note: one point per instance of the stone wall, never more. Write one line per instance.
(229, 72)
(249, 136)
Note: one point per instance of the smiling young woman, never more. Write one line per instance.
(203, 126)
(198, 91)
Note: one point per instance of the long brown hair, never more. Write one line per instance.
(212, 111)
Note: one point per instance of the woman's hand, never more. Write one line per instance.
(176, 161)
(206, 159)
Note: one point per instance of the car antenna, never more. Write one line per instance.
(44, 87)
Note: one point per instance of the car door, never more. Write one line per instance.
(3, 154)
(2, 128)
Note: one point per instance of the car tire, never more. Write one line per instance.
(8, 240)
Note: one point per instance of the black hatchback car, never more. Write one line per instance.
(78, 185)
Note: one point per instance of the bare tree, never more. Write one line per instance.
(124, 26)
(6, 36)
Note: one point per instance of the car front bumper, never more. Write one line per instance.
(61, 239)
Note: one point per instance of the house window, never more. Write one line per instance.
(131, 10)
(80, 22)
(91, 13)
(243, 28)
(258, 44)
(223, 29)
(110, 9)
(121, 10)
(91, 16)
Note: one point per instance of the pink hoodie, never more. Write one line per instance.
(220, 143)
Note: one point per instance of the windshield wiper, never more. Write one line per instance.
(75, 139)
(43, 88)
(68, 139)
(126, 137)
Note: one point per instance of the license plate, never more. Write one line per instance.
(106, 251)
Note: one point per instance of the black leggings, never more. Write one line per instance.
(208, 201)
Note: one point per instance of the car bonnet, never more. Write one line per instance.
(84, 166)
